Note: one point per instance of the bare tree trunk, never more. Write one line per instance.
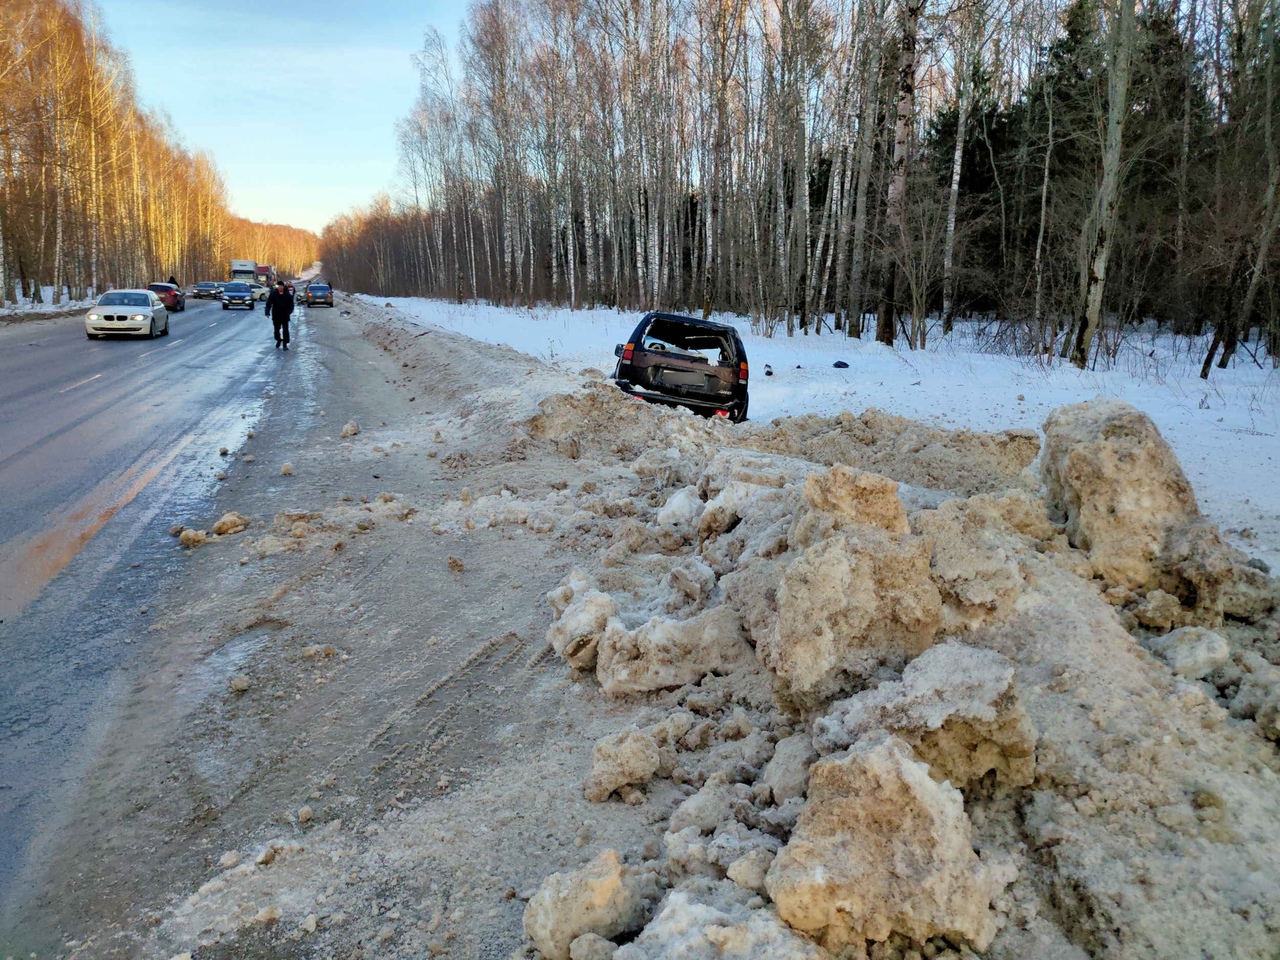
(953, 197)
(825, 254)
(1270, 223)
(866, 145)
(1046, 342)
(1184, 153)
(4, 276)
(895, 211)
(589, 239)
(571, 266)
(1104, 211)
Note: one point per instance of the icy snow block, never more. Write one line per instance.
(882, 848)
(601, 898)
(956, 706)
(665, 653)
(1118, 486)
(849, 605)
(699, 921)
(1191, 652)
(629, 757)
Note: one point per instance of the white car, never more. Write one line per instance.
(139, 312)
(260, 291)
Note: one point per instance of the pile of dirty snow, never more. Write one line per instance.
(1037, 718)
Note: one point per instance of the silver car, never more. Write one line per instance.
(137, 312)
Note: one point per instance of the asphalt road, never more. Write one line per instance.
(102, 444)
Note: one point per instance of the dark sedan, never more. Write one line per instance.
(172, 297)
(318, 293)
(237, 293)
(207, 290)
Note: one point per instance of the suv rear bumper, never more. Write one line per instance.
(734, 408)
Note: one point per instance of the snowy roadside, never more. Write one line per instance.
(507, 665)
(27, 309)
(1226, 432)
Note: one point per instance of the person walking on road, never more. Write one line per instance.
(279, 307)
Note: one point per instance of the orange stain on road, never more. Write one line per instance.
(25, 567)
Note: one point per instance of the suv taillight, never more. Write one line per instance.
(742, 371)
(628, 351)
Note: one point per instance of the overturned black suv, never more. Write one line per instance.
(685, 362)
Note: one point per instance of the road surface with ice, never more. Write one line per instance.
(100, 443)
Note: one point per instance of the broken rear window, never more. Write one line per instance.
(688, 343)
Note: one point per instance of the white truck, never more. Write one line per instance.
(246, 270)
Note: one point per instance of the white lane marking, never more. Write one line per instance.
(169, 344)
(214, 324)
(81, 383)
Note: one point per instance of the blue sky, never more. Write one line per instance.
(298, 104)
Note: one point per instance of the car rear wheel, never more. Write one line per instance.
(224, 306)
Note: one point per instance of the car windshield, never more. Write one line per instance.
(236, 288)
(317, 288)
(123, 300)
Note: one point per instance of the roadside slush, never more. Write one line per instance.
(339, 655)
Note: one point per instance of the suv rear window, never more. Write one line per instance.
(236, 288)
(688, 343)
(318, 288)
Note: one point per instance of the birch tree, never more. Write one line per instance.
(1101, 224)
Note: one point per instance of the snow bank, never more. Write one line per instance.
(965, 669)
(956, 384)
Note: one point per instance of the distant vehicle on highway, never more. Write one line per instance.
(207, 290)
(246, 270)
(237, 294)
(318, 293)
(260, 291)
(171, 296)
(137, 312)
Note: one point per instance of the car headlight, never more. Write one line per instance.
(94, 316)
(138, 316)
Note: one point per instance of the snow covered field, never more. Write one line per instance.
(1226, 432)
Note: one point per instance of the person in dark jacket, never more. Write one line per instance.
(279, 307)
